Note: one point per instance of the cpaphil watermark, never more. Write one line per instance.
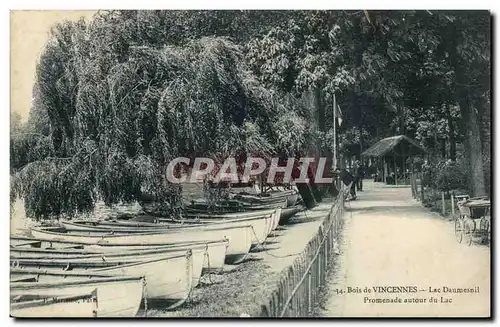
(291, 169)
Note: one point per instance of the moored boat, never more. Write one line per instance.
(288, 213)
(117, 296)
(262, 225)
(168, 279)
(292, 199)
(209, 255)
(82, 305)
(266, 198)
(199, 256)
(239, 237)
(233, 206)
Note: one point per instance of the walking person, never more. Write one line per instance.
(357, 172)
(360, 174)
(347, 178)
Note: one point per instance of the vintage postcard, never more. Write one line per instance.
(250, 163)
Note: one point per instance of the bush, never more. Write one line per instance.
(450, 175)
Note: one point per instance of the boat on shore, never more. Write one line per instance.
(198, 258)
(210, 256)
(168, 279)
(276, 214)
(117, 296)
(239, 238)
(230, 206)
(196, 219)
(262, 225)
(290, 196)
(82, 305)
(288, 213)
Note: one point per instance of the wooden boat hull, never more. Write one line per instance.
(261, 227)
(243, 207)
(198, 260)
(117, 297)
(80, 309)
(76, 306)
(239, 237)
(291, 200)
(230, 215)
(262, 224)
(276, 218)
(267, 198)
(288, 213)
(206, 257)
(167, 279)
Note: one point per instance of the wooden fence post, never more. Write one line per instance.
(414, 185)
(309, 295)
(442, 204)
(417, 196)
(326, 250)
(411, 185)
(453, 205)
(319, 272)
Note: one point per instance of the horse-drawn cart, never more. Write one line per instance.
(474, 219)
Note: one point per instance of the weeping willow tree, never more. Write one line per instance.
(119, 110)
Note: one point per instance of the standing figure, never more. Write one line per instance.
(347, 178)
(360, 175)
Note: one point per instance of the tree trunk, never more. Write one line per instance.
(401, 115)
(320, 109)
(307, 195)
(484, 118)
(443, 147)
(468, 112)
(472, 145)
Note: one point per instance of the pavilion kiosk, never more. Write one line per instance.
(390, 156)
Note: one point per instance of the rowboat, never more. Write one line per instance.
(204, 217)
(239, 237)
(291, 200)
(288, 213)
(233, 207)
(198, 258)
(276, 214)
(225, 217)
(262, 225)
(117, 296)
(276, 217)
(267, 198)
(208, 256)
(82, 305)
(168, 279)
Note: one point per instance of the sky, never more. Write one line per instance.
(29, 31)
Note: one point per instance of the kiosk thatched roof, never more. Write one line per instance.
(399, 145)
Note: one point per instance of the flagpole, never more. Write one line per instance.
(334, 132)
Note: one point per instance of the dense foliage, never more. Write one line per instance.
(118, 97)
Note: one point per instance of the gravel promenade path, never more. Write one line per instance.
(391, 240)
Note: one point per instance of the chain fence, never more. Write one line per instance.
(299, 286)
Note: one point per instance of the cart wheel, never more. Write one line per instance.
(473, 225)
(468, 228)
(484, 227)
(459, 229)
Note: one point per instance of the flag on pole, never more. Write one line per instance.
(339, 115)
